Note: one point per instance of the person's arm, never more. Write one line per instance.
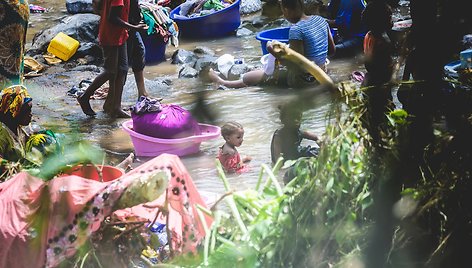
(310, 136)
(115, 18)
(331, 45)
(276, 147)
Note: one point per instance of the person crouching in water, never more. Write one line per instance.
(286, 141)
(228, 155)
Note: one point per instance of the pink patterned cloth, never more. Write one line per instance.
(231, 162)
(42, 223)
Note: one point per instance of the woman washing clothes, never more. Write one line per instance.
(309, 35)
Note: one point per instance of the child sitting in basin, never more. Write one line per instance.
(228, 155)
(309, 35)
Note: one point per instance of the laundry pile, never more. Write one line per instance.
(197, 8)
(159, 22)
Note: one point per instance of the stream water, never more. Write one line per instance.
(254, 107)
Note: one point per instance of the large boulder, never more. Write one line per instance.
(79, 6)
(82, 27)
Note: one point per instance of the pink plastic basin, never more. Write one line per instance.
(109, 173)
(150, 146)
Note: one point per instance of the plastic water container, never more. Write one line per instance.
(279, 34)
(63, 46)
(159, 230)
(155, 48)
(218, 24)
(150, 146)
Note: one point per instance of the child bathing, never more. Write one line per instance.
(233, 133)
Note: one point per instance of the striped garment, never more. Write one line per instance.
(314, 34)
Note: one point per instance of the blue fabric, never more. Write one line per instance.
(348, 18)
(314, 34)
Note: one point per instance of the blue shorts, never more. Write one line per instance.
(136, 51)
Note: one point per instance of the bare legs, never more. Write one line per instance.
(112, 103)
(249, 79)
(84, 99)
(139, 77)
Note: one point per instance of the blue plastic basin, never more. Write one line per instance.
(155, 48)
(218, 24)
(279, 34)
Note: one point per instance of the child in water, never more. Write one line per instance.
(309, 35)
(233, 133)
(286, 140)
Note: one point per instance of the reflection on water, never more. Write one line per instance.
(254, 107)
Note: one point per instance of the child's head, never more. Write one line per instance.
(377, 16)
(292, 10)
(290, 116)
(233, 133)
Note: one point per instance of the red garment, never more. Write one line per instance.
(231, 162)
(110, 34)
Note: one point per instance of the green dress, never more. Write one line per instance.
(14, 16)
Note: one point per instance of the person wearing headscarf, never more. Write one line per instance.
(15, 112)
(14, 15)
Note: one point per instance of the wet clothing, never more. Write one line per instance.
(314, 34)
(231, 162)
(110, 34)
(14, 16)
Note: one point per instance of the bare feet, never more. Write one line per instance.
(85, 105)
(107, 107)
(119, 114)
(214, 76)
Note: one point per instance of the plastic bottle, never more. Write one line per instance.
(158, 235)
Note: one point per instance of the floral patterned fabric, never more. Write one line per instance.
(14, 16)
(43, 223)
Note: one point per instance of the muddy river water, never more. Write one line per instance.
(254, 107)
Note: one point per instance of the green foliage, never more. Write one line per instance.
(73, 154)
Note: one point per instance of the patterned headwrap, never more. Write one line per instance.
(13, 98)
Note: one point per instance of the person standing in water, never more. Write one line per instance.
(112, 35)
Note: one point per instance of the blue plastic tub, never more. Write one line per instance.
(217, 24)
(155, 48)
(279, 34)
